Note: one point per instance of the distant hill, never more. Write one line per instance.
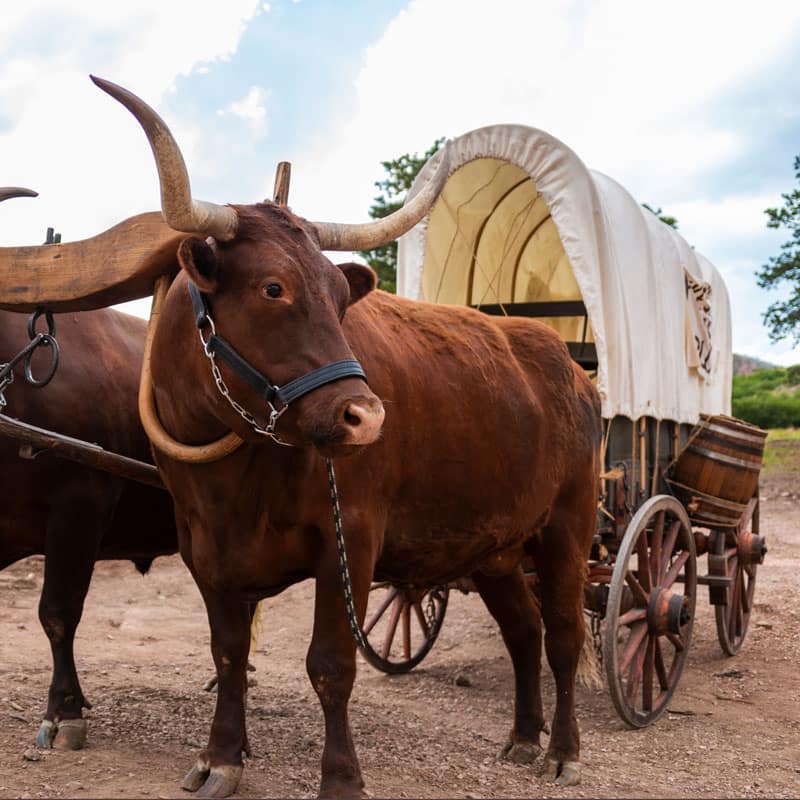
(744, 365)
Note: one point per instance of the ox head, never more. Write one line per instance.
(274, 295)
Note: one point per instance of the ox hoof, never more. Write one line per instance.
(196, 776)
(520, 752)
(71, 734)
(221, 781)
(563, 773)
(46, 734)
(335, 790)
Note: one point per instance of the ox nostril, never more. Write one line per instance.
(350, 418)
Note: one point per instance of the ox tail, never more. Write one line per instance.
(588, 673)
(255, 626)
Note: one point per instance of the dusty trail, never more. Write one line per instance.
(143, 656)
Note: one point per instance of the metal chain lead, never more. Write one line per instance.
(5, 382)
(596, 622)
(358, 634)
(274, 414)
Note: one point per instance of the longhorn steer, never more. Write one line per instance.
(72, 514)
(488, 451)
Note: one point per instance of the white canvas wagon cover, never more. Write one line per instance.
(522, 220)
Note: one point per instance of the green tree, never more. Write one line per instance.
(782, 318)
(666, 219)
(400, 174)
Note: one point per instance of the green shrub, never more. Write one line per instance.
(769, 410)
(768, 397)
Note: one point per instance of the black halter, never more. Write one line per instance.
(217, 346)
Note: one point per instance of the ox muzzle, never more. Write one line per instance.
(277, 398)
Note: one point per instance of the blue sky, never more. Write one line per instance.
(693, 106)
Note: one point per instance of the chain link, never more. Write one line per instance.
(274, 413)
(36, 340)
(595, 623)
(5, 382)
(358, 634)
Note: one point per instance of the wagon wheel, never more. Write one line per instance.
(402, 624)
(742, 550)
(650, 610)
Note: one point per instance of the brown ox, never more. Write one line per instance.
(488, 451)
(72, 514)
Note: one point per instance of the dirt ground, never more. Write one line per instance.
(143, 655)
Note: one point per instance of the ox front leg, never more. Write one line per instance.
(73, 537)
(511, 602)
(219, 767)
(331, 665)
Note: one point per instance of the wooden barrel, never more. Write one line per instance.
(716, 473)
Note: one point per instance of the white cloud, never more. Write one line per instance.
(60, 135)
(251, 108)
(627, 85)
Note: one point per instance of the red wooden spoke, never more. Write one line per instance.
(392, 629)
(636, 637)
(643, 559)
(750, 570)
(406, 631)
(675, 569)
(647, 678)
(740, 606)
(745, 593)
(660, 669)
(423, 623)
(390, 595)
(677, 642)
(639, 593)
(635, 672)
(655, 547)
(733, 596)
(634, 615)
(669, 544)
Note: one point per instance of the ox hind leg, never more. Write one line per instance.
(74, 531)
(516, 611)
(560, 554)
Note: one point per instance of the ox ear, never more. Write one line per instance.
(199, 259)
(362, 280)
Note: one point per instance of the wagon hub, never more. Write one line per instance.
(751, 548)
(667, 612)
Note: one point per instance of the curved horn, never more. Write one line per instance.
(7, 192)
(180, 211)
(367, 235)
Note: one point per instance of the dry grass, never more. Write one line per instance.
(782, 452)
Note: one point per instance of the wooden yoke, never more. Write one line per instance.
(118, 265)
(194, 454)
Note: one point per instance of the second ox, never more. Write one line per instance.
(488, 451)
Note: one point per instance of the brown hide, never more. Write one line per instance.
(68, 512)
(489, 447)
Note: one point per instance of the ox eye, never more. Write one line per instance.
(273, 290)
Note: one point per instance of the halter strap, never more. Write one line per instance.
(220, 347)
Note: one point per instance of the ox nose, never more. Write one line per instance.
(362, 418)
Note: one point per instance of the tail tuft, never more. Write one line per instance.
(588, 673)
